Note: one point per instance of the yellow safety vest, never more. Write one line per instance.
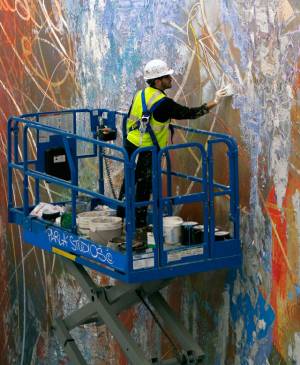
(161, 130)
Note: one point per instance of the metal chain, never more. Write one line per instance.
(107, 169)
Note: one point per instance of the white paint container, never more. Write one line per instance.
(83, 219)
(172, 229)
(104, 229)
(83, 222)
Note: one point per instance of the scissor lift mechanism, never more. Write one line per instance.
(142, 274)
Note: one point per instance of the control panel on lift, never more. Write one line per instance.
(80, 155)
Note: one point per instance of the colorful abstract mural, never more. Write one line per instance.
(58, 54)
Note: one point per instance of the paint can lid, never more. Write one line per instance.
(190, 223)
(199, 227)
(221, 233)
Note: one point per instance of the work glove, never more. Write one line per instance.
(221, 93)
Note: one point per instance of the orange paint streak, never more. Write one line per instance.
(284, 260)
(278, 264)
(11, 79)
(296, 85)
(30, 79)
(279, 272)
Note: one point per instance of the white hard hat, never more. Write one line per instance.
(155, 69)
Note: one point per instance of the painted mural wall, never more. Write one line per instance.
(57, 54)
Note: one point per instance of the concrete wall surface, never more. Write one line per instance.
(57, 54)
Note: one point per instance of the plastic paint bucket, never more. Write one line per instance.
(83, 222)
(83, 219)
(172, 229)
(104, 229)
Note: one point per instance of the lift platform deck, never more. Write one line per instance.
(70, 138)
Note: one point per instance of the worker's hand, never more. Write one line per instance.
(221, 93)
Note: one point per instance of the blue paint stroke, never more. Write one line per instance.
(242, 310)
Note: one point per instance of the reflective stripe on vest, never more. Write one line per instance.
(161, 130)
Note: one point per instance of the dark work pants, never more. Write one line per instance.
(143, 183)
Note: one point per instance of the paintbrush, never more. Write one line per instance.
(229, 89)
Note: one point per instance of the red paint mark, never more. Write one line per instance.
(283, 275)
(279, 269)
(41, 348)
(12, 29)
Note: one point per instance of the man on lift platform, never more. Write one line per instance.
(148, 124)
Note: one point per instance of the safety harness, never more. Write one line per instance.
(143, 124)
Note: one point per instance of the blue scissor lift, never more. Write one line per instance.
(70, 139)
